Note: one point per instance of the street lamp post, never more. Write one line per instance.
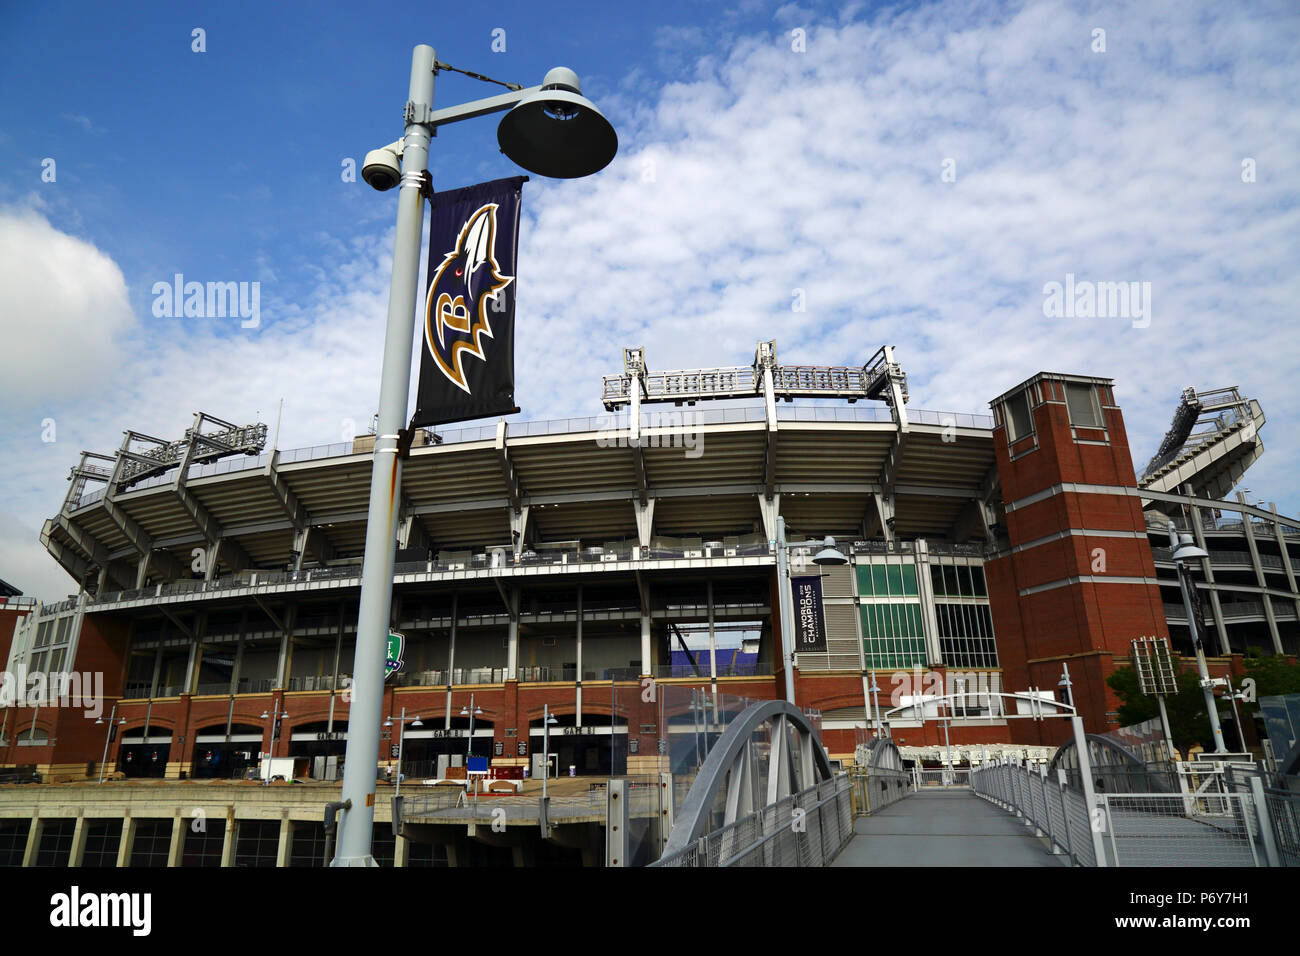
(472, 712)
(1184, 551)
(550, 130)
(107, 734)
(547, 721)
(401, 742)
(275, 716)
(828, 554)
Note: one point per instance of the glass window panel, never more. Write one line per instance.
(936, 580)
(1081, 401)
(977, 576)
(895, 580)
(880, 585)
(864, 579)
(963, 581)
(950, 580)
(909, 579)
(1019, 424)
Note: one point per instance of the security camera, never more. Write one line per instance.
(382, 169)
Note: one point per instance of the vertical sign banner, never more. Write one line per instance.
(467, 365)
(809, 617)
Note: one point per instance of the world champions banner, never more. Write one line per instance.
(467, 366)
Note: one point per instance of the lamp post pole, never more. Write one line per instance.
(385, 479)
(107, 734)
(551, 130)
(1185, 586)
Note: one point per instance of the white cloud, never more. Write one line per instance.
(764, 170)
(64, 307)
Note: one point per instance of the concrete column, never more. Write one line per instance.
(286, 840)
(1260, 579)
(1286, 560)
(128, 840)
(402, 851)
(713, 647)
(929, 617)
(577, 687)
(451, 661)
(33, 840)
(646, 663)
(78, 851)
(228, 839)
(177, 847)
(512, 637)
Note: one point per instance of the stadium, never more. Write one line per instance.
(546, 569)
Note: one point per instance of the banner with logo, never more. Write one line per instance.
(467, 366)
(809, 616)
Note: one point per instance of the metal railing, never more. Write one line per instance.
(1225, 823)
(944, 777)
(1055, 810)
(873, 790)
(808, 828)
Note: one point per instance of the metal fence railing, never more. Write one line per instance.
(1283, 808)
(874, 790)
(1057, 811)
(1152, 829)
(806, 829)
(943, 777)
(1226, 820)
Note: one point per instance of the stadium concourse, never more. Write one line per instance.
(567, 564)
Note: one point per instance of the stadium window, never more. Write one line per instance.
(963, 581)
(864, 580)
(1081, 400)
(977, 577)
(895, 580)
(1019, 421)
(879, 583)
(909, 580)
(950, 581)
(936, 580)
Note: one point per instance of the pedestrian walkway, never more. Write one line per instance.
(944, 828)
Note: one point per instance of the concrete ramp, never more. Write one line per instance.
(944, 828)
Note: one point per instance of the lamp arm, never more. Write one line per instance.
(489, 104)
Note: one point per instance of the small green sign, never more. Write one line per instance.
(396, 645)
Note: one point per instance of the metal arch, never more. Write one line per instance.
(1040, 708)
(1101, 749)
(729, 768)
(883, 754)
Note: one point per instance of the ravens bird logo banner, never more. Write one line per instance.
(467, 369)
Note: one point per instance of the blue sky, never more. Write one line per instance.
(748, 169)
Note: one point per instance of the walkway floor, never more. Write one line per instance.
(944, 828)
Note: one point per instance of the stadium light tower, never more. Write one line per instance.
(551, 130)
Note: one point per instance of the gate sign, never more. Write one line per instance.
(396, 645)
(809, 617)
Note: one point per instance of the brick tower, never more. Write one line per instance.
(1075, 581)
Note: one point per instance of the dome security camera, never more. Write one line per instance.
(382, 170)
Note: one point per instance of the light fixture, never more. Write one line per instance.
(388, 722)
(829, 554)
(1186, 550)
(557, 132)
(416, 723)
